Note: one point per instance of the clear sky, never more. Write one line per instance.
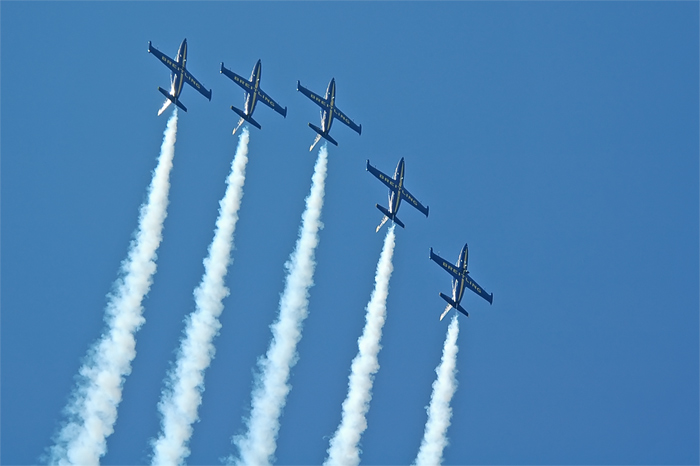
(559, 139)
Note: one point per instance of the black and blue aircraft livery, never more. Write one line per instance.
(396, 193)
(328, 112)
(178, 76)
(460, 281)
(253, 94)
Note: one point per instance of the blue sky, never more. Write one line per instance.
(560, 140)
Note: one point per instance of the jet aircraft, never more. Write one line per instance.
(253, 94)
(460, 281)
(396, 193)
(178, 76)
(328, 112)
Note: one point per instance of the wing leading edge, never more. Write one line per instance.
(267, 100)
(315, 98)
(445, 264)
(413, 201)
(189, 79)
(477, 289)
(347, 121)
(387, 180)
(166, 60)
(236, 78)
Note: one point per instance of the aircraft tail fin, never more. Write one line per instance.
(318, 138)
(166, 104)
(453, 305)
(323, 135)
(448, 308)
(381, 224)
(172, 99)
(240, 123)
(247, 118)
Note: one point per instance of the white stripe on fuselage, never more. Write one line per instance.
(181, 75)
(331, 104)
(397, 194)
(254, 93)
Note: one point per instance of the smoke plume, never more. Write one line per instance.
(185, 383)
(92, 410)
(258, 445)
(344, 446)
(439, 411)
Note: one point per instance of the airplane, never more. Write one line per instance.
(178, 76)
(328, 112)
(253, 94)
(396, 193)
(460, 281)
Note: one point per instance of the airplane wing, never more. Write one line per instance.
(166, 60)
(267, 100)
(413, 201)
(240, 80)
(445, 264)
(342, 117)
(194, 83)
(317, 99)
(391, 184)
(478, 290)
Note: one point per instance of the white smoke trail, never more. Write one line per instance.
(183, 394)
(439, 411)
(92, 410)
(344, 446)
(258, 445)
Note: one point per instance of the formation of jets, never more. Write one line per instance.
(179, 75)
(329, 111)
(461, 279)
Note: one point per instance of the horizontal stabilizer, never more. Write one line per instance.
(172, 99)
(247, 118)
(325, 136)
(393, 217)
(384, 211)
(454, 304)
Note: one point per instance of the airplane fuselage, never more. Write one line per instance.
(252, 97)
(327, 115)
(177, 79)
(395, 196)
(458, 285)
